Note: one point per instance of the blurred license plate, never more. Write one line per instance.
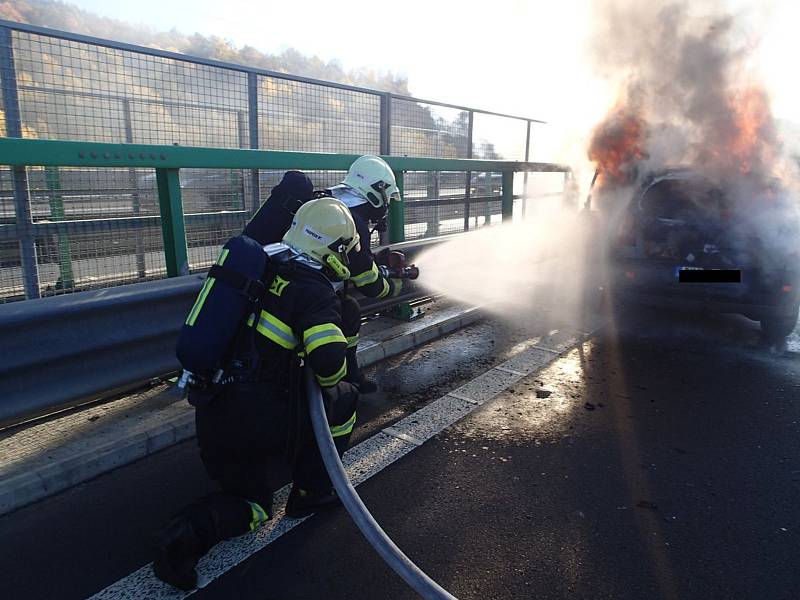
(700, 275)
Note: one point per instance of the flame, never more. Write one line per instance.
(752, 145)
(618, 144)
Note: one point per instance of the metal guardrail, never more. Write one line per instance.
(62, 351)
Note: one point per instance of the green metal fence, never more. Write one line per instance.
(173, 253)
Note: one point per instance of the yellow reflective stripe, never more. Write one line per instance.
(276, 330)
(344, 428)
(259, 515)
(319, 335)
(201, 298)
(352, 341)
(332, 380)
(385, 290)
(366, 277)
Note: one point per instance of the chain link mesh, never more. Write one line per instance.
(305, 117)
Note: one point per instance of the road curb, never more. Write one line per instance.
(18, 490)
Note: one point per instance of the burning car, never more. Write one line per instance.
(682, 240)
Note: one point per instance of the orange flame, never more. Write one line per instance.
(753, 143)
(617, 145)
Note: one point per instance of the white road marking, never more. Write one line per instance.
(361, 462)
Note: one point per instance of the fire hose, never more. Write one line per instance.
(382, 543)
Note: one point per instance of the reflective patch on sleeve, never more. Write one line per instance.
(385, 290)
(332, 380)
(344, 428)
(352, 341)
(366, 277)
(276, 331)
(319, 335)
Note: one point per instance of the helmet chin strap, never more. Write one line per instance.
(341, 272)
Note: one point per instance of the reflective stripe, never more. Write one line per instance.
(385, 291)
(332, 380)
(201, 298)
(259, 515)
(366, 277)
(319, 335)
(344, 428)
(276, 330)
(352, 341)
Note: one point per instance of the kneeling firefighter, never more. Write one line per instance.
(249, 397)
(366, 190)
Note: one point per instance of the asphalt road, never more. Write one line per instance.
(663, 463)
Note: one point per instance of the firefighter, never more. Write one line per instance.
(366, 190)
(259, 411)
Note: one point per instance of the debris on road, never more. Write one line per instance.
(542, 393)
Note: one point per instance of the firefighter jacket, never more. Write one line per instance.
(299, 316)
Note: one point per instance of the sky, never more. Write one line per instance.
(524, 58)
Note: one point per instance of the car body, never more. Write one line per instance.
(679, 221)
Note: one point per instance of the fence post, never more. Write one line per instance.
(252, 113)
(468, 190)
(525, 176)
(386, 125)
(136, 199)
(172, 226)
(397, 218)
(66, 279)
(507, 201)
(22, 207)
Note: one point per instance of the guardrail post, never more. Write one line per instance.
(507, 199)
(172, 226)
(22, 207)
(252, 114)
(66, 279)
(397, 217)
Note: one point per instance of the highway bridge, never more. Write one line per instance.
(624, 451)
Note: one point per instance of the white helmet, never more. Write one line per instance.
(324, 231)
(371, 177)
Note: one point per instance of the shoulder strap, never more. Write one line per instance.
(252, 289)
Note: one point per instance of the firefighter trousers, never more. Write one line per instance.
(241, 434)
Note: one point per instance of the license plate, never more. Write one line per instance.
(701, 275)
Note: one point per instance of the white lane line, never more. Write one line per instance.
(361, 462)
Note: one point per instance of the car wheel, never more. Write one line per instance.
(777, 328)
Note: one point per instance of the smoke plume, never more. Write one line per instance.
(688, 93)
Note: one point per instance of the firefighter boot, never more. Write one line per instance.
(195, 530)
(178, 550)
(302, 503)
